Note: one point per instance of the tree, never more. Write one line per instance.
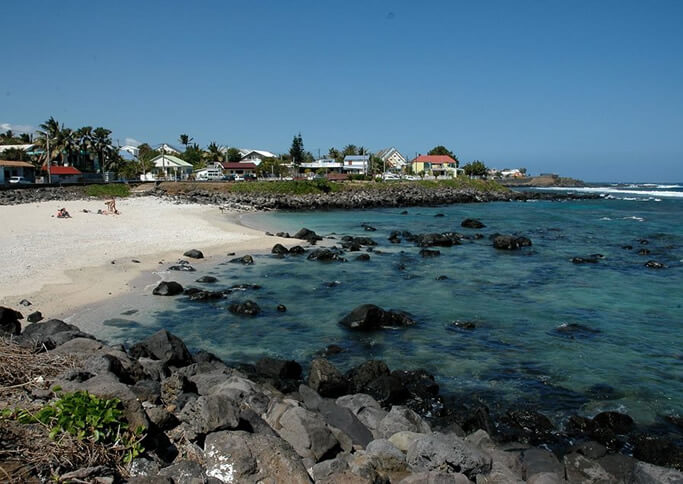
(193, 154)
(349, 150)
(297, 150)
(522, 171)
(334, 154)
(15, 154)
(476, 168)
(271, 167)
(185, 140)
(234, 155)
(214, 153)
(443, 151)
(308, 157)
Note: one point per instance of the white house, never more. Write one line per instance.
(357, 164)
(168, 167)
(329, 164)
(255, 156)
(129, 152)
(392, 159)
(166, 148)
(213, 171)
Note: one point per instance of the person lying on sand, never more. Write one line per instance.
(62, 213)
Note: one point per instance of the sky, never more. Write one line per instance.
(592, 90)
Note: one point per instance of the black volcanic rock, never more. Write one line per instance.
(510, 242)
(369, 317)
(167, 288)
(472, 223)
(194, 254)
(246, 308)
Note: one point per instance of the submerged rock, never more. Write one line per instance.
(575, 330)
(472, 223)
(307, 235)
(653, 264)
(327, 255)
(430, 253)
(244, 260)
(368, 317)
(247, 308)
(510, 242)
(182, 268)
(207, 279)
(584, 260)
(279, 249)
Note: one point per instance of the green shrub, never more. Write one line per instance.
(108, 191)
(293, 187)
(88, 418)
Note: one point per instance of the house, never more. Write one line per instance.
(9, 169)
(436, 165)
(28, 148)
(168, 167)
(255, 156)
(329, 164)
(239, 168)
(64, 174)
(213, 171)
(392, 159)
(166, 148)
(129, 152)
(357, 164)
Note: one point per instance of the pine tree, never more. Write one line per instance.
(297, 150)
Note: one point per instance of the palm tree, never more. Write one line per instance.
(214, 153)
(48, 134)
(185, 140)
(107, 156)
(86, 151)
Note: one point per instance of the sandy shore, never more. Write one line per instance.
(63, 264)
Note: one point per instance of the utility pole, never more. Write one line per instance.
(47, 144)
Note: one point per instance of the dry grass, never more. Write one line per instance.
(27, 454)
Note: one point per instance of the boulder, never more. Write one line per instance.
(244, 260)
(306, 431)
(326, 379)
(510, 242)
(279, 249)
(658, 449)
(386, 455)
(167, 288)
(327, 255)
(584, 260)
(445, 239)
(361, 376)
(163, 346)
(50, 334)
(472, 223)
(237, 456)
(194, 254)
(644, 473)
(34, 317)
(207, 279)
(307, 235)
(368, 317)
(399, 419)
(363, 258)
(281, 308)
(296, 250)
(182, 268)
(653, 264)
(184, 471)
(429, 253)
(9, 321)
(619, 423)
(246, 308)
(278, 368)
(527, 426)
(581, 469)
(211, 413)
(536, 462)
(344, 419)
(449, 454)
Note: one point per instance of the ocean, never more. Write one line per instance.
(522, 328)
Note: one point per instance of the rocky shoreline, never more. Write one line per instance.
(390, 195)
(274, 421)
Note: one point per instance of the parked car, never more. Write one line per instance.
(250, 177)
(239, 177)
(391, 176)
(228, 177)
(411, 177)
(19, 180)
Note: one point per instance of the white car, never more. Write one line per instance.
(411, 177)
(20, 180)
(239, 178)
(391, 176)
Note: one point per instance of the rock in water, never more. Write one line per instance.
(430, 253)
(472, 223)
(327, 255)
(167, 288)
(307, 235)
(279, 249)
(510, 242)
(207, 279)
(247, 308)
(9, 321)
(653, 264)
(163, 346)
(585, 260)
(368, 317)
(182, 268)
(194, 254)
(245, 260)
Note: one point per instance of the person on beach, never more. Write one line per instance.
(62, 213)
(111, 206)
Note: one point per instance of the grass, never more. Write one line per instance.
(108, 191)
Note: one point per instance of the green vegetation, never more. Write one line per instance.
(475, 168)
(108, 191)
(297, 150)
(442, 150)
(463, 183)
(294, 187)
(88, 419)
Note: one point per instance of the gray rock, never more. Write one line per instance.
(366, 408)
(161, 417)
(244, 391)
(168, 288)
(591, 449)
(447, 453)
(402, 418)
(581, 469)
(165, 347)
(51, 333)
(238, 456)
(244, 260)
(174, 386)
(304, 430)
(79, 346)
(207, 279)
(147, 391)
(34, 317)
(211, 413)
(326, 468)
(154, 369)
(540, 461)
(343, 419)
(403, 440)
(436, 478)
(619, 465)
(194, 254)
(644, 473)
(388, 457)
(369, 317)
(185, 472)
(325, 379)
(310, 397)
(510, 242)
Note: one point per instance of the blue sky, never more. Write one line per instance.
(586, 89)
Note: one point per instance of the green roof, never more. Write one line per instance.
(172, 160)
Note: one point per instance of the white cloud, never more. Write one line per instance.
(131, 142)
(17, 128)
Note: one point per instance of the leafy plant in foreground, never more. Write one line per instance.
(88, 418)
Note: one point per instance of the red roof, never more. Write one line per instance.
(239, 166)
(63, 170)
(434, 159)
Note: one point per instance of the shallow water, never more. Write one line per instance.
(626, 355)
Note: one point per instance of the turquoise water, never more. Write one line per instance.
(631, 359)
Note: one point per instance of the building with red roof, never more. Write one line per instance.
(64, 174)
(436, 165)
(239, 168)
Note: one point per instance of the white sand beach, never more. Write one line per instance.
(63, 264)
